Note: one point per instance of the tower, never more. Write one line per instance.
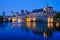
(3, 15)
(47, 6)
(12, 12)
(22, 12)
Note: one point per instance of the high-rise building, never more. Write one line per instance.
(4, 15)
(12, 12)
(27, 12)
(22, 12)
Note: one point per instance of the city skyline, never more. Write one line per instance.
(17, 5)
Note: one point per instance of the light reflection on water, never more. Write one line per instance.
(28, 24)
(57, 24)
(50, 24)
(44, 29)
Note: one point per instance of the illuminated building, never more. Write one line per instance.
(28, 19)
(34, 19)
(37, 14)
(22, 12)
(19, 20)
(50, 19)
(14, 19)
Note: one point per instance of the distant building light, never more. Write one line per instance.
(34, 19)
(19, 20)
(14, 19)
(28, 19)
(9, 19)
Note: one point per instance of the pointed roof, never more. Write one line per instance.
(37, 10)
(47, 6)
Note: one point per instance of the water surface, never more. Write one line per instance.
(30, 31)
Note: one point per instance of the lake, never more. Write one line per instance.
(30, 31)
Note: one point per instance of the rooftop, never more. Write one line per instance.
(37, 10)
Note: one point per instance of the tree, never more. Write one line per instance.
(58, 15)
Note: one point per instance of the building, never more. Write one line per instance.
(42, 14)
(23, 12)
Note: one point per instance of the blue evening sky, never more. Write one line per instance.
(17, 5)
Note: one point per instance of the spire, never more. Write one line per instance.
(12, 12)
(47, 6)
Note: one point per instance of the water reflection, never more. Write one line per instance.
(19, 24)
(45, 35)
(50, 24)
(34, 24)
(57, 24)
(13, 24)
(28, 24)
(45, 29)
(16, 24)
(3, 25)
(42, 29)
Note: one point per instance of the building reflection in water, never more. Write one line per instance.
(50, 24)
(57, 24)
(39, 28)
(44, 29)
(45, 34)
(16, 22)
(19, 24)
(28, 24)
(33, 24)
